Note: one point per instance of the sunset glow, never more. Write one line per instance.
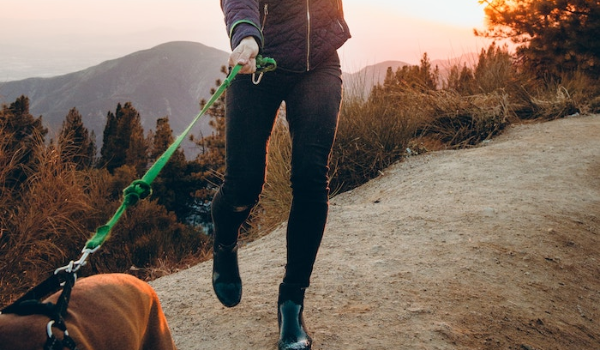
(382, 29)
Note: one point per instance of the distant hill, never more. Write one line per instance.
(166, 80)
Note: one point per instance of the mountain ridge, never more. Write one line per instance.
(166, 80)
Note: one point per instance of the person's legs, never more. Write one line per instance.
(249, 117)
(312, 111)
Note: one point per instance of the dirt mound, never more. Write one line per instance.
(495, 247)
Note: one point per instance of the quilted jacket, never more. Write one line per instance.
(298, 34)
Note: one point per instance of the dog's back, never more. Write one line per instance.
(106, 312)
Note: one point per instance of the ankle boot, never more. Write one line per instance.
(292, 331)
(226, 280)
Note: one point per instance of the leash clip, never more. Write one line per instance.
(263, 64)
(74, 266)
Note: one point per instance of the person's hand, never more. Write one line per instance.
(245, 54)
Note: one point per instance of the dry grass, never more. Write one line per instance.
(372, 135)
(47, 220)
(555, 98)
(276, 199)
(42, 229)
(464, 121)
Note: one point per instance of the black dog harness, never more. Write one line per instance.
(30, 304)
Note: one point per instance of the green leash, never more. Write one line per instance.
(140, 189)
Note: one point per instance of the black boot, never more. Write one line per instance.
(292, 332)
(226, 280)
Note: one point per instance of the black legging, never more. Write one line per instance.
(312, 107)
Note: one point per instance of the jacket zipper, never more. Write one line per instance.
(340, 8)
(265, 13)
(307, 35)
(341, 14)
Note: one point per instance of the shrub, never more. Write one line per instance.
(459, 121)
(372, 135)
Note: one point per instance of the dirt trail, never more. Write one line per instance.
(495, 247)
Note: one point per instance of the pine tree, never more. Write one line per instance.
(162, 139)
(174, 186)
(109, 142)
(137, 150)
(209, 166)
(460, 80)
(123, 140)
(75, 143)
(552, 36)
(22, 133)
(427, 75)
(494, 68)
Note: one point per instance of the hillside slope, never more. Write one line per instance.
(495, 247)
(166, 80)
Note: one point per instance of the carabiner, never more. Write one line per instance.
(257, 81)
(74, 266)
(263, 64)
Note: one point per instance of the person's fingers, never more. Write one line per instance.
(247, 60)
(245, 54)
(248, 65)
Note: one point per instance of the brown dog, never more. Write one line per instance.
(106, 312)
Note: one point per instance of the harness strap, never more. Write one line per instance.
(63, 299)
(57, 319)
(25, 305)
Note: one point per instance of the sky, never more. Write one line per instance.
(40, 33)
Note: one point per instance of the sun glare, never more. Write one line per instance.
(463, 13)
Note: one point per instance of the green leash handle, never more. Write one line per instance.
(265, 64)
(140, 189)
